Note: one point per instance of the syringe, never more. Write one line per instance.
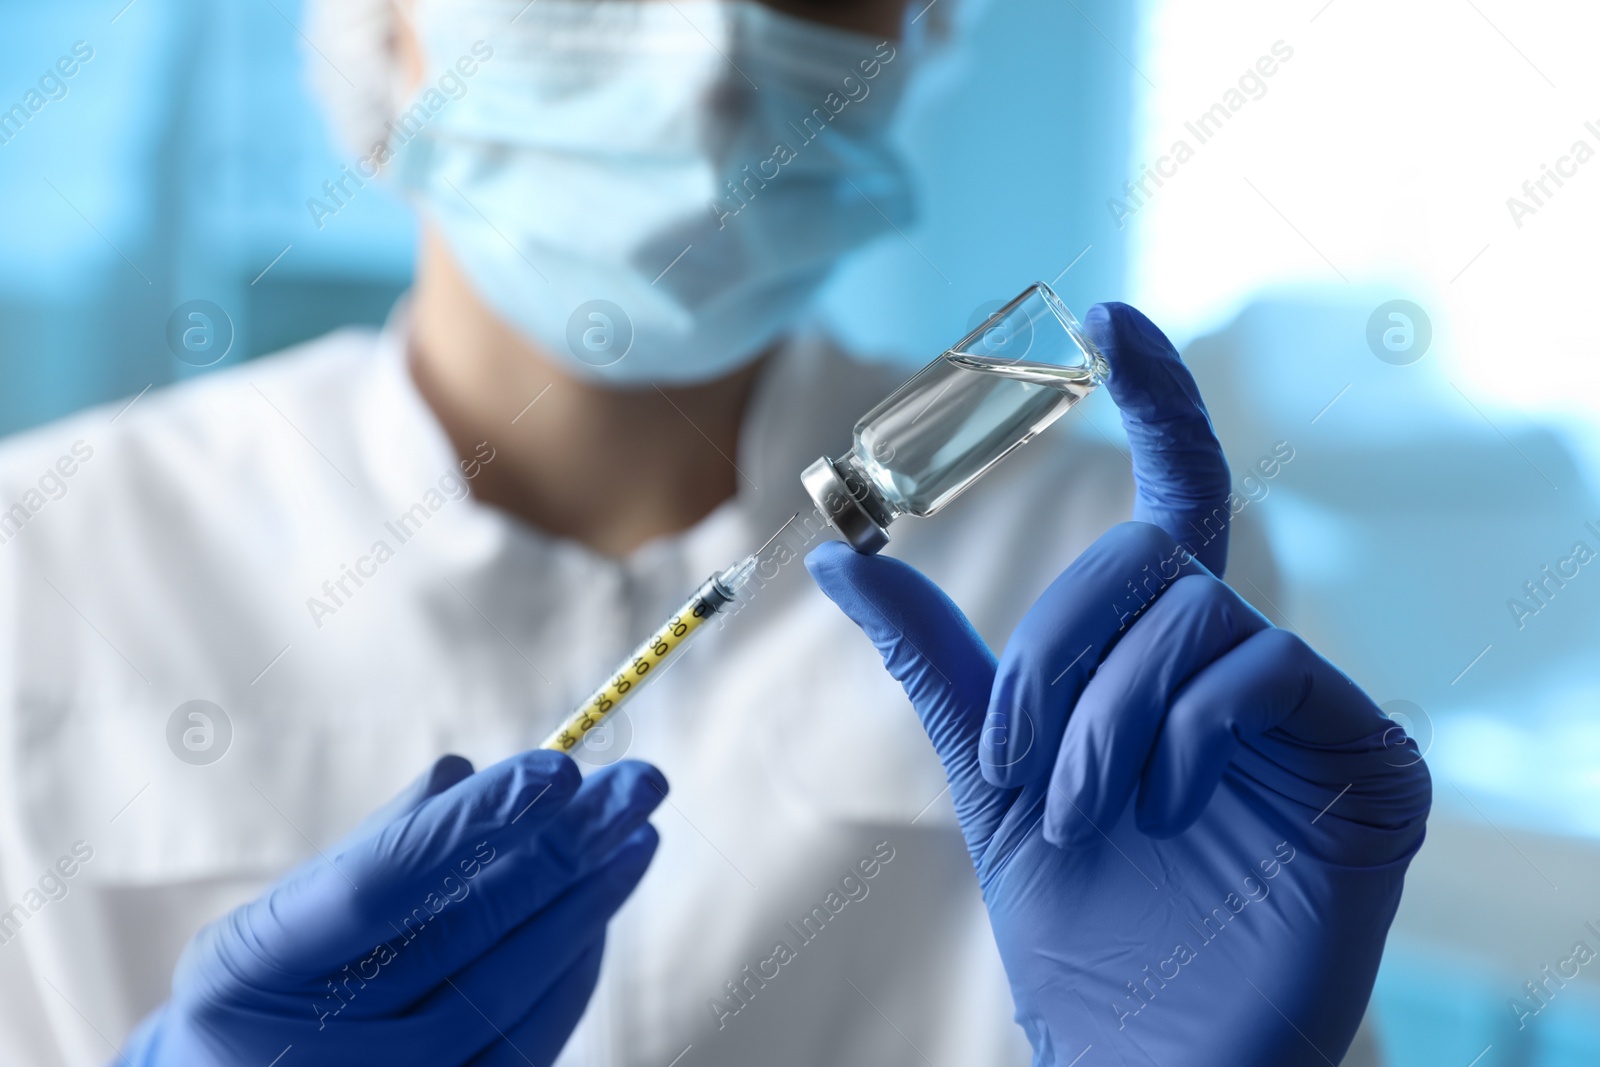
(714, 594)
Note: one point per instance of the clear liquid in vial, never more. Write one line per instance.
(956, 419)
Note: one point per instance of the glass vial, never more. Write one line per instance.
(984, 398)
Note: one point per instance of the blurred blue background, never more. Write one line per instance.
(177, 167)
(1422, 496)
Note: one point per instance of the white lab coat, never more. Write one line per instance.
(177, 563)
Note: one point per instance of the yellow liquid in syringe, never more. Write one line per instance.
(633, 673)
(715, 593)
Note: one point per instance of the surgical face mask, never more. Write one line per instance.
(653, 191)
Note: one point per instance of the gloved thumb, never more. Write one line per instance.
(1178, 465)
(930, 648)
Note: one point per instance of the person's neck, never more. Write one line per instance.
(609, 468)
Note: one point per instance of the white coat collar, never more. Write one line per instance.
(804, 403)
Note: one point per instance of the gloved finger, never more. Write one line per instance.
(930, 648)
(1178, 465)
(448, 1030)
(539, 1037)
(510, 802)
(502, 985)
(1113, 729)
(1339, 757)
(331, 912)
(1058, 645)
(613, 802)
(444, 772)
(517, 882)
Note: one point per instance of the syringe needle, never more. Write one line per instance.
(774, 537)
(714, 594)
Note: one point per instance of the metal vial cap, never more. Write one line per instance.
(847, 511)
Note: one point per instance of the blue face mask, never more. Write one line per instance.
(652, 191)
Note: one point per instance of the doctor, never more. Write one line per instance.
(243, 610)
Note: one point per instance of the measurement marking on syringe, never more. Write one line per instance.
(715, 593)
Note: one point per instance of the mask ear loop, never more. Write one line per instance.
(927, 25)
(915, 32)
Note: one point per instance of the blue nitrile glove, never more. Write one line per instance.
(1178, 466)
(462, 924)
(1190, 829)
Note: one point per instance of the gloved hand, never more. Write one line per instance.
(1190, 829)
(463, 924)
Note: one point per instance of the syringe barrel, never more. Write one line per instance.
(643, 665)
